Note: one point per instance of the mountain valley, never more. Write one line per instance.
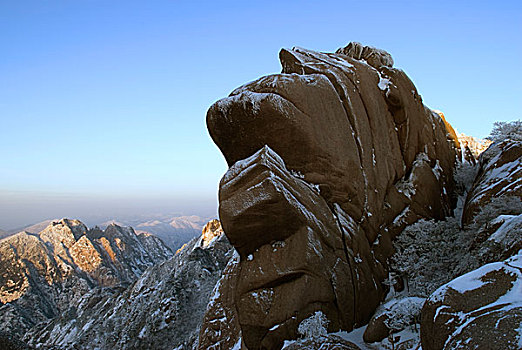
(351, 216)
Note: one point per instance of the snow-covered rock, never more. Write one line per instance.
(475, 145)
(479, 310)
(499, 178)
(162, 309)
(293, 264)
(42, 275)
(393, 317)
(173, 230)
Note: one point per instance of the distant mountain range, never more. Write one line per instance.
(173, 230)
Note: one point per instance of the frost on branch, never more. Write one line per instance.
(431, 253)
(506, 205)
(506, 131)
(314, 326)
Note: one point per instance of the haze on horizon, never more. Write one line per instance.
(103, 105)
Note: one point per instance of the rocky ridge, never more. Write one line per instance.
(42, 275)
(475, 145)
(162, 309)
(463, 270)
(485, 304)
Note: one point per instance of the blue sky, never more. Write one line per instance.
(103, 103)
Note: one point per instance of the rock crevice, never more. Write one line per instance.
(369, 158)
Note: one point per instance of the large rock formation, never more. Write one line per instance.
(479, 310)
(470, 310)
(499, 178)
(41, 275)
(162, 309)
(329, 160)
(483, 308)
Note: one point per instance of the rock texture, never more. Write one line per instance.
(162, 309)
(430, 254)
(330, 342)
(329, 161)
(499, 178)
(483, 309)
(479, 310)
(7, 342)
(392, 317)
(220, 325)
(41, 275)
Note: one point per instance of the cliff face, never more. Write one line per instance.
(42, 274)
(329, 161)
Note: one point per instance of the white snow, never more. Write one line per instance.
(408, 334)
(142, 332)
(237, 345)
(495, 177)
(383, 83)
(472, 281)
(519, 330)
(437, 170)
(215, 293)
(274, 327)
(510, 223)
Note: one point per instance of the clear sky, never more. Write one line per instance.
(103, 103)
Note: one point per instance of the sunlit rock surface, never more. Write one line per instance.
(162, 309)
(42, 275)
(329, 161)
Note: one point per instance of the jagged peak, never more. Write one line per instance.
(373, 56)
(67, 222)
(210, 232)
(476, 145)
(69, 230)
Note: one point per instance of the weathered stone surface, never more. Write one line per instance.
(329, 117)
(368, 159)
(499, 177)
(330, 342)
(298, 263)
(211, 231)
(479, 310)
(475, 145)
